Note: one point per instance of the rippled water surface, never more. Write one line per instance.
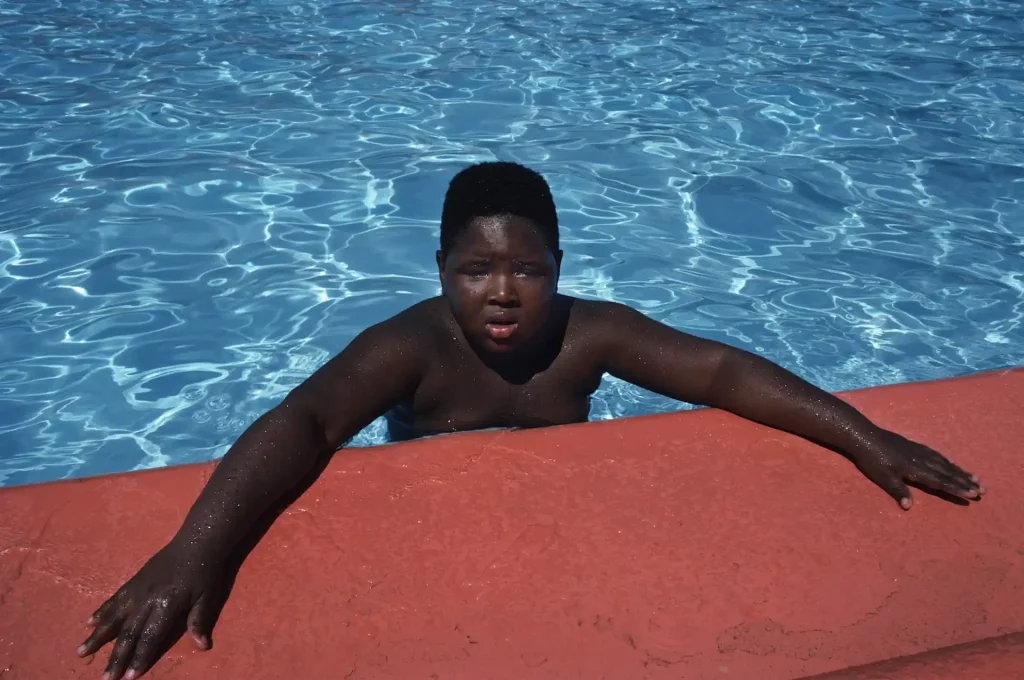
(200, 202)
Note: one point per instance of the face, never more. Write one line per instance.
(500, 278)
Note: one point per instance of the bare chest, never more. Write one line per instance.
(468, 396)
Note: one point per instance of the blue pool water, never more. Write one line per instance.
(200, 202)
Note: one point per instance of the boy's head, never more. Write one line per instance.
(497, 188)
(499, 256)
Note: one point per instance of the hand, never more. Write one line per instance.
(152, 605)
(893, 460)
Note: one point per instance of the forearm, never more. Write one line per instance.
(757, 389)
(271, 457)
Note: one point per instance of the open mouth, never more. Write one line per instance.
(501, 330)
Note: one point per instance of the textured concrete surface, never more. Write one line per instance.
(690, 545)
(999, 658)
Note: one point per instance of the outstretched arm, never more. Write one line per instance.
(681, 366)
(279, 449)
(277, 452)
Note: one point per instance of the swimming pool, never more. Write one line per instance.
(201, 202)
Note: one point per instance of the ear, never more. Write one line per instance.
(440, 266)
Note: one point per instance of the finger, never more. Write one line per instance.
(966, 478)
(895, 487)
(948, 469)
(939, 481)
(124, 648)
(103, 611)
(107, 628)
(948, 466)
(200, 621)
(963, 486)
(150, 641)
(945, 467)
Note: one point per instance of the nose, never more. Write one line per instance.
(503, 290)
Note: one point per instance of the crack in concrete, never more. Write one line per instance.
(45, 526)
(663, 662)
(763, 637)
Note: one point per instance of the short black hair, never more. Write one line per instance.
(497, 188)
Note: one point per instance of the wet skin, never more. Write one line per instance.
(499, 348)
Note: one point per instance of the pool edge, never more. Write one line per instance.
(773, 579)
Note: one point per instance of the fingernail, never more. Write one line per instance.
(81, 650)
(905, 503)
(105, 676)
(130, 674)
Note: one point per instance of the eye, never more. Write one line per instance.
(529, 269)
(475, 268)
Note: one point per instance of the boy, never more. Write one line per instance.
(499, 348)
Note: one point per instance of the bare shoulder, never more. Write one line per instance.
(418, 323)
(379, 368)
(596, 316)
(425, 322)
(608, 329)
(395, 347)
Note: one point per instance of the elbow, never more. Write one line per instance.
(726, 378)
(322, 417)
(298, 412)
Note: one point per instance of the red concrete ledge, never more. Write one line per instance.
(1001, 657)
(690, 545)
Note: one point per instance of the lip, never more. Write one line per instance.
(502, 319)
(501, 331)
